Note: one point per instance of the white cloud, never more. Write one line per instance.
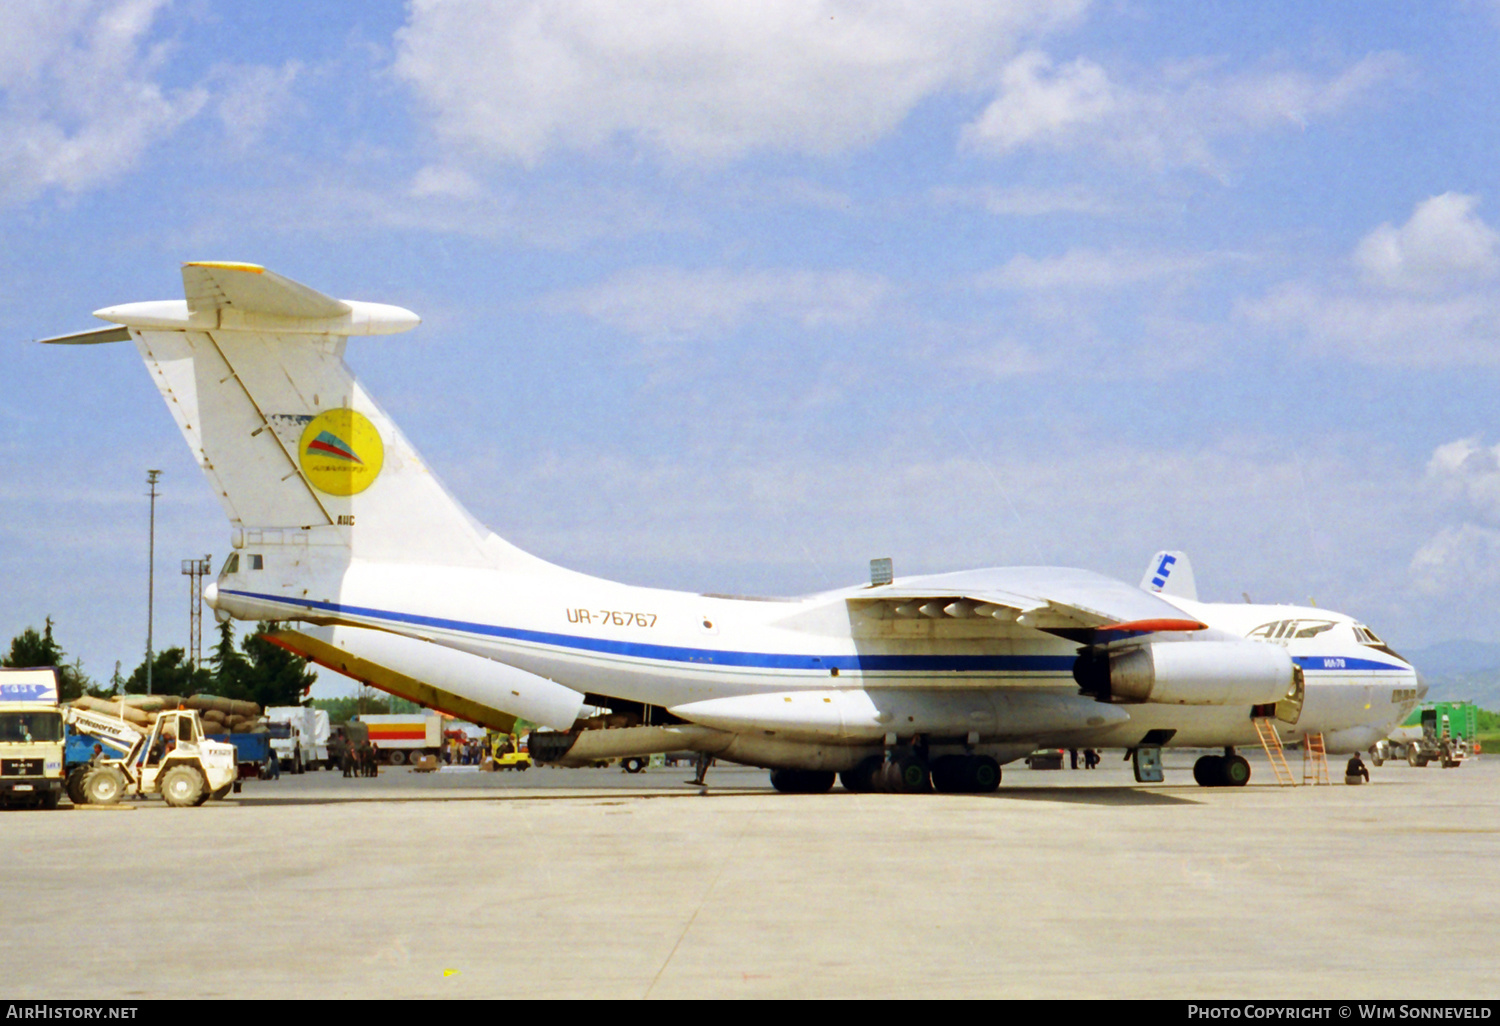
(1421, 301)
(1444, 244)
(1460, 560)
(1172, 118)
(439, 180)
(1385, 330)
(1463, 558)
(1039, 101)
(252, 97)
(1090, 269)
(1468, 473)
(666, 303)
(78, 101)
(704, 80)
(999, 360)
(1027, 201)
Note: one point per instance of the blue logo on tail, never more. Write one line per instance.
(1163, 571)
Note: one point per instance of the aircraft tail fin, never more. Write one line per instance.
(1171, 573)
(251, 367)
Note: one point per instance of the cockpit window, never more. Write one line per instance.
(1365, 636)
(231, 565)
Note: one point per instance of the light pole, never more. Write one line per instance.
(151, 478)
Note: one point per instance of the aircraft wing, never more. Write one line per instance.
(1054, 599)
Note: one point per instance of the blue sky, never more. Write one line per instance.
(734, 297)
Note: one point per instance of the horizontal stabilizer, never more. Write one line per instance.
(89, 338)
(224, 296)
(217, 285)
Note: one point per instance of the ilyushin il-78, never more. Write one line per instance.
(341, 532)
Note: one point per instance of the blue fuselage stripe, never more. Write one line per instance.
(766, 660)
(706, 656)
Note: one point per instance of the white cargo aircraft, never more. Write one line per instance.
(341, 528)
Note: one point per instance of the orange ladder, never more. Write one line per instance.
(1314, 760)
(1271, 742)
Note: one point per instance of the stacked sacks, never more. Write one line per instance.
(219, 715)
(227, 715)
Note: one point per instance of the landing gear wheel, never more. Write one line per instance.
(183, 786)
(103, 786)
(74, 786)
(633, 765)
(948, 774)
(984, 775)
(1209, 771)
(1235, 771)
(791, 781)
(906, 775)
(861, 779)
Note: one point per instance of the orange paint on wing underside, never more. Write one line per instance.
(1157, 625)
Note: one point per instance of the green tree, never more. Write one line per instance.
(230, 665)
(272, 675)
(342, 710)
(116, 684)
(32, 649)
(172, 673)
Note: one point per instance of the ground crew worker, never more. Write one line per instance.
(1356, 772)
(346, 761)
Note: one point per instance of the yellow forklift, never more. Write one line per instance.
(508, 752)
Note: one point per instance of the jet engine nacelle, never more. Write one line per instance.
(1189, 673)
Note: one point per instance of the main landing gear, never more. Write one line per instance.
(1227, 770)
(909, 773)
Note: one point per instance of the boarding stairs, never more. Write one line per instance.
(1314, 760)
(1271, 742)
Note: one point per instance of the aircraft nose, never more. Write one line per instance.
(211, 594)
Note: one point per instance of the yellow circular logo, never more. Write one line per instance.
(341, 452)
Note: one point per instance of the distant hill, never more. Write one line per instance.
(1459, 670)
(1450, 657)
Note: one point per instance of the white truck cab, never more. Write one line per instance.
(31, 738)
